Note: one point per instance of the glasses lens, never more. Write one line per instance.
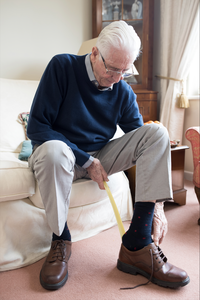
(126, 75)
(129, 72)
(113, 73)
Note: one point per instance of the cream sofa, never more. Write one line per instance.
(25, 236)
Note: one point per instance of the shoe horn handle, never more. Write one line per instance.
(114, 206)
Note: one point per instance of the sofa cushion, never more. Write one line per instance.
(26, 150)
(17, 180)
(16, 96)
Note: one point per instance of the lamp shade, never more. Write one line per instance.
(86, 47)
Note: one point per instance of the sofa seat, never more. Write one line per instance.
(25, 236)
(17, 180)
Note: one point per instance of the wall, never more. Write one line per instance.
(32, 31)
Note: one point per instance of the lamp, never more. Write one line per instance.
(86, 47)
(135, 70)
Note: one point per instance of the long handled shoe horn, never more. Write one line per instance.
(114, 206)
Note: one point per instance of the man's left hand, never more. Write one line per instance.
(160, 224)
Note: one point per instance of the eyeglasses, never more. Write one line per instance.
(125, 74)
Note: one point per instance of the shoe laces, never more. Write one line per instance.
(159, 254)
(59, 250)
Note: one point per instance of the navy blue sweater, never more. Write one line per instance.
(68, 107)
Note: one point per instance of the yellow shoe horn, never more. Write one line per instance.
(114, 206)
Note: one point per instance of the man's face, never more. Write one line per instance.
(115, 60)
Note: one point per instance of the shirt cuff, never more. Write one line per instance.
(88, 162)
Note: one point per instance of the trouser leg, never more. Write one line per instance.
(148, 147)
(53, 167)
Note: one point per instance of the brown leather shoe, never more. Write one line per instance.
(151, 263)
(54, 272)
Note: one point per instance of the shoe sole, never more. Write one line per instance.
(134, 271)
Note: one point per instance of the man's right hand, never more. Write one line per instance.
(97, 173)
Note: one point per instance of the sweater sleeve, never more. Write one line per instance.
(131, 118)
(45, 109)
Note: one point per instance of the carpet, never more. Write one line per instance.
(92, 267)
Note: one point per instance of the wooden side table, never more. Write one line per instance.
(178, 161)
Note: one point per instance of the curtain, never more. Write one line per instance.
(178, 38)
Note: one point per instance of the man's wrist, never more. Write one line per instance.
(88, 162)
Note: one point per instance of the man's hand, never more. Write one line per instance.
(160, 224)
(97, 173)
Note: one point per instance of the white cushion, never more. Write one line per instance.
(16, 96)
(17, 180)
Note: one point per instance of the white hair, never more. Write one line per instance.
(119, 35)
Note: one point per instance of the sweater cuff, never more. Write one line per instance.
(88, 162)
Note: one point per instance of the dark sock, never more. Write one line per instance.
(64, 236)
(139, 233)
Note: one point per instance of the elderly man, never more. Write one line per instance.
(78, 103)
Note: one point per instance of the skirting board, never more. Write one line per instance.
(188, 175)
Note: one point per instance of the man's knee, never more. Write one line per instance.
(159, 131)
(57, 153)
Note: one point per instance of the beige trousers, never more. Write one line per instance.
(55, 169)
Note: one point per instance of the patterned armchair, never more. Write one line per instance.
(192, 134)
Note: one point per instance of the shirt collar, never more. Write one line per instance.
(91, 74)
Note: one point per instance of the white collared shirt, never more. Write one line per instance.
(91, 75)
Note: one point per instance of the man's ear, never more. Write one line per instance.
(94, 53)
(95, 50)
